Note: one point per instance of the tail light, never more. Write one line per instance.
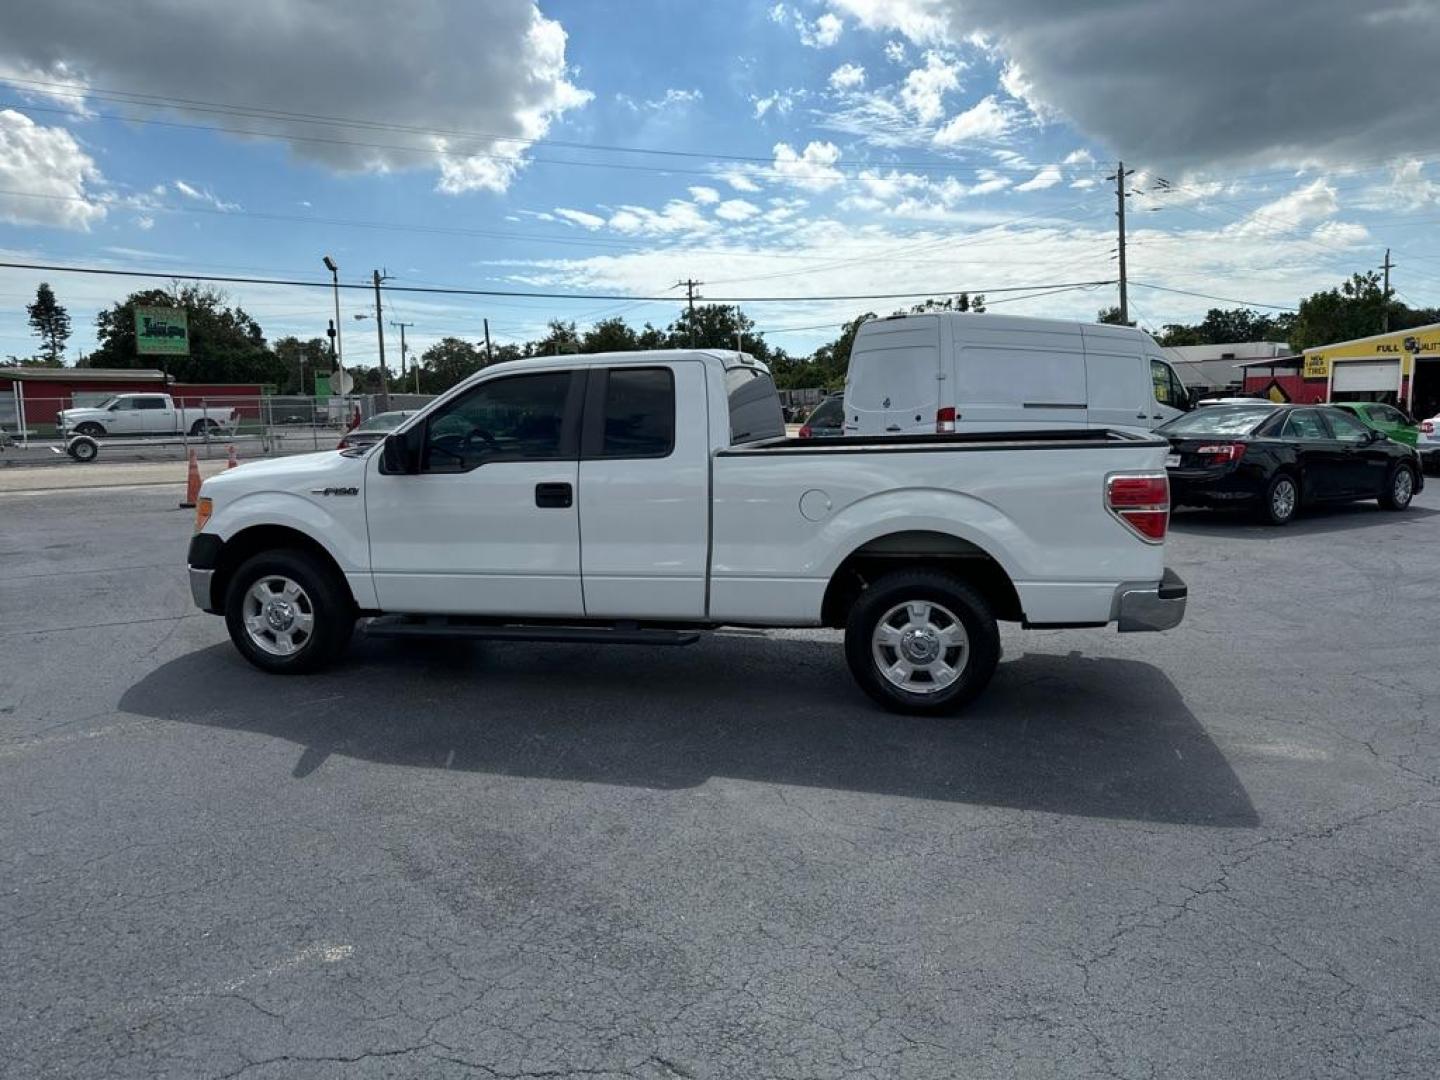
(1224, 452)
(805, 432)
(945, 420)
(1141, 501)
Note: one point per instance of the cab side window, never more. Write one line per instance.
(1168, 388)
(149, 403)
(520, 418)
(1304, 424)
(1347, 428)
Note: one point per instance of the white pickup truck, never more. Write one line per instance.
(145, 414)
(644, 497)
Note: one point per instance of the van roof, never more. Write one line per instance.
(1020, 322)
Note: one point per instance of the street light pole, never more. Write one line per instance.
(337, 356)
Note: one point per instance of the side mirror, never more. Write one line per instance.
(1378, 436)
(396, 456)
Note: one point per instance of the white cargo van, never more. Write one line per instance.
(954, 371)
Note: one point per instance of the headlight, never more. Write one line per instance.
(204, 507)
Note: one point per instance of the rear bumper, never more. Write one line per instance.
(1213, 489)
(1429, 456)
(1151, 607)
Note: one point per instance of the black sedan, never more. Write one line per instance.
(1275, 459)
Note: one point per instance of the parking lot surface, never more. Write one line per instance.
(1205, 853)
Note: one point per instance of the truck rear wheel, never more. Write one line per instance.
(922, 641)
(288, 613)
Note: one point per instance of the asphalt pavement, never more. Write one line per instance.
(1208, 853)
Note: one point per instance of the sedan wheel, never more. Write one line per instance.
(1400, 490)
(1282, 499)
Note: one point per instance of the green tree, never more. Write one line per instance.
(50, 323)
(226, 344)
(301, 356)
(958, 302)
(826, 367)
(448, 361)
(1111, 317)
(609, 335)
(562, 338)
(1355, 310)
(717, 326)
(1227, 326)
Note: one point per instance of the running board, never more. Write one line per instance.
(400, 626)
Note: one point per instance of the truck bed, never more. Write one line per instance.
(1049, 439)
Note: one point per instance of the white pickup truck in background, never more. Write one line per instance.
(645, 497)
(145, 414)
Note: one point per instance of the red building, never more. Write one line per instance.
(32, 397)
(1282, 378)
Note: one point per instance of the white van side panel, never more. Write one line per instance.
(1117, 374)
(1010, 377)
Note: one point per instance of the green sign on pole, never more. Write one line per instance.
(161, 331)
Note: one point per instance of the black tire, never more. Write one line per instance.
(203, 427)
(83, 449)
(954, 598)
(91, 429)
(324, 596)
(1399, 489)
(1276, 509)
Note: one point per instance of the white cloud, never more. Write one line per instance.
(925, 87)
(50, 166)
(1315, 202)
(1084, 183)
(895, 52)
(677, 216)
(202, 195)
(847, 77)
(1014, 83)
(1079, 157)
(145, 222)
(1341, 234)
(672, 98)
(1047, 177)
(736, 210)
(922, 21)
(990, 182)
(825, 32)
(739, 181)
(778, 13)
(782, 101)
(812, 169)
(985, 120)
(421, 70)
(704, 195)
(580, 217)
(1407, 189)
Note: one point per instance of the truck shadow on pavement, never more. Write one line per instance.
(1313, 521)
(1063, 734)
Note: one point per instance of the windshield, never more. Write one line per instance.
(385, 421)
(101, 404)
(1219, 420)
(828, 414)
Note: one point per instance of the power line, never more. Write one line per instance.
(429, 289)
(1209, 296)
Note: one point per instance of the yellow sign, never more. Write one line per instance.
(1316, 366)
(1422, 342)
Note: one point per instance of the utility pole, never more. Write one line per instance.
(384, 402)
(403, 351)
(489, 353)
(690, 286)
(1385, 304)
(1120, 174)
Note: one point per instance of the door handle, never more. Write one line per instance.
(893, 427)
(1139, 416)
(554, 496)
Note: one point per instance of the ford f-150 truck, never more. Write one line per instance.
(145, 414)
(645, 497)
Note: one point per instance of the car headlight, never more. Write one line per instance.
(204, 507)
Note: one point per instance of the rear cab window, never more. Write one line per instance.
(754, 406)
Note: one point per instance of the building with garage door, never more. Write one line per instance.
(1401, 368)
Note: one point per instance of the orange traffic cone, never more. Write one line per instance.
(192, 483)
(231, 463)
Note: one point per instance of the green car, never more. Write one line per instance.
(1384, 418)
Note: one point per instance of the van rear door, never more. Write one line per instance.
(1117, 379)
(893, 385)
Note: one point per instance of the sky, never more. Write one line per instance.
(781, 153)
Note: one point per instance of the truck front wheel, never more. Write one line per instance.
(922, 641)
(90, 428)
(288, 613)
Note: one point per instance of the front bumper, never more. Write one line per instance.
(1152, 607)
(200, 588)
